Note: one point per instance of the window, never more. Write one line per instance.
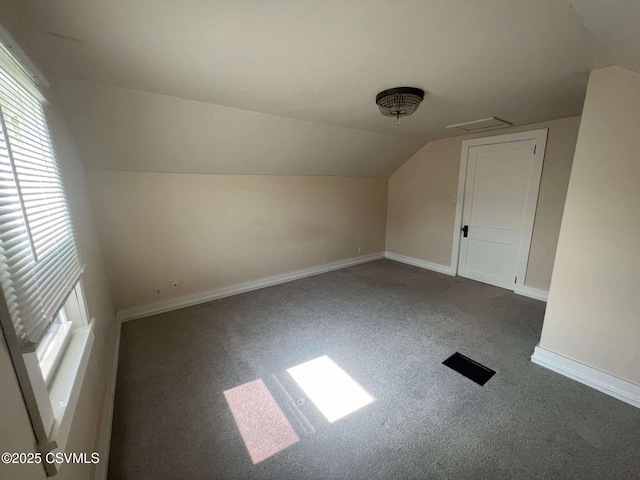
(42, 307)
(53, 345)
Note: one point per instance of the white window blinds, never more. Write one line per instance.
(39, 261)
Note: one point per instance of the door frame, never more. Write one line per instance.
(540, 137)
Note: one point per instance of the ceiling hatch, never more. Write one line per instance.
(484, 124)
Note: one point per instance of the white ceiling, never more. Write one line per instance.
(324, 61)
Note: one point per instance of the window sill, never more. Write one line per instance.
(67, 383)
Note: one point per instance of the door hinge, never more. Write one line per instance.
(534, 148)
(516, 280)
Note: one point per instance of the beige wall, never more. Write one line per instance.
(210, 195)
(592, 314)
(123, 129)
(17, 435)
(421, 209)
(213, 231)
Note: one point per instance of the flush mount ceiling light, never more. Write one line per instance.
(399, 102)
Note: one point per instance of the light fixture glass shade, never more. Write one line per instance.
(399, 102)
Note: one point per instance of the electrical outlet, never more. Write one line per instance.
(157, 291)
(174, 284)
(359, 250)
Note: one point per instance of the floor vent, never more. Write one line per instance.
(469, 368)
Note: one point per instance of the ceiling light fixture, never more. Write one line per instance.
(399, 102)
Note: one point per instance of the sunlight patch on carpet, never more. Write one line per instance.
(330, 388)
(262, 424)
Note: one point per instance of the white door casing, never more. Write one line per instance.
(497, 197)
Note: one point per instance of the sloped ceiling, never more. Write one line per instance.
(324, 61)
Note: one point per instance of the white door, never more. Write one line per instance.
(500, 196)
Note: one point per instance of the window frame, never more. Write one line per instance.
(50, 396)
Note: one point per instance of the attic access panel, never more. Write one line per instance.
(483, 124)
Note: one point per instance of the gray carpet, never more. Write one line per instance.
(389, 326)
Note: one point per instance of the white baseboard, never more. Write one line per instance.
(196, 298)
(416, 262)
(525, 290)
(532, 292)
(613, 386)
(107, 414)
